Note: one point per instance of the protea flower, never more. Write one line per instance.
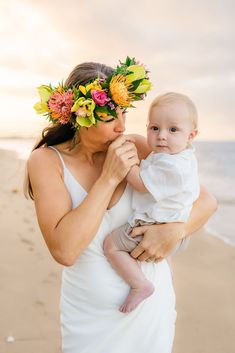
(60, 104)
(119, 91)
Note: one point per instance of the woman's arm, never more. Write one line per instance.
(67, 232)
(160, 239)
(203, 209)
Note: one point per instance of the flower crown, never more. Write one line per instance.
(85, 105)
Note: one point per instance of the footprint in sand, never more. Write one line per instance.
(26, 220)
(39, 303)
(52, 275)
(27, 241)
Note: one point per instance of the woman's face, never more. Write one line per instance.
(105, 132)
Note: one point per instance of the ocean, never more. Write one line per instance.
(216, 162)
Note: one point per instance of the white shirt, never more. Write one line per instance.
(173, 185)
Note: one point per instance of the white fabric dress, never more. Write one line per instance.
(92, 292)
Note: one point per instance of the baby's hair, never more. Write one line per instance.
(171, 97)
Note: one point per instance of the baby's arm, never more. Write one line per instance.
(133, 178)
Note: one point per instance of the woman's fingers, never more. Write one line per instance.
(121, 156)
(137, 251)
(151, 259)
(120, 140)
(143, 257)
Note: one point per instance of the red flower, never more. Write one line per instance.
(60, 104)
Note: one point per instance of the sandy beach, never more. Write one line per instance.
(30, 282)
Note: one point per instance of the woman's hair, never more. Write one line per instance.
(172, 97)
(57, 133)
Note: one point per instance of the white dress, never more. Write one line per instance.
(92, 292)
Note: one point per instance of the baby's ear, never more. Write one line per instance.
(193, 134)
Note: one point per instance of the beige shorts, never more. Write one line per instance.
(123, 240)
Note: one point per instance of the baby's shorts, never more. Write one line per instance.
(125, 242)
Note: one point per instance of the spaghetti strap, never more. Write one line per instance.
(61, 158)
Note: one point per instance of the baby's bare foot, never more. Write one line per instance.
(136, 296)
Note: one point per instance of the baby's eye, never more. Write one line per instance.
(173, 129)
(154, 128)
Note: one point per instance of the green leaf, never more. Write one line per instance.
(101, 109)
(112, 112)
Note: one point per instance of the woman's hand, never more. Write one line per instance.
(158, 241)
(121, 156)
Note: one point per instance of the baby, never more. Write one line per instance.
(165, 186)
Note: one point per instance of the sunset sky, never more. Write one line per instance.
(188, 47)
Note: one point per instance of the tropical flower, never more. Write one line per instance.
(96, 100)
(99, 97)
(84, 111)
(102, 114)
(111, 105)
(60, 104)
(119, 91)
(91, 86)
(45, 92)
(143, 87)
(138, 73)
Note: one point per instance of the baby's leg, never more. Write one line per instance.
(130, 271)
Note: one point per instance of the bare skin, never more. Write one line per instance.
(130, 271)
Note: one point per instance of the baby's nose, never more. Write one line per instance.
(162, 134)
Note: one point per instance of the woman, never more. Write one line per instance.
(80, 194)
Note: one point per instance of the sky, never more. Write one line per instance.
(188, 47)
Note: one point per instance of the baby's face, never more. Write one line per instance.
(170, 129)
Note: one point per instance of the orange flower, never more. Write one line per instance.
(119, 91)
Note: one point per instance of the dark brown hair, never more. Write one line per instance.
(56, 134)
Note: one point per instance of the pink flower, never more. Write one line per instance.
(111, 105)
(60, 104)
(99, 97)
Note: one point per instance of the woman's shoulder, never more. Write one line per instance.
(142, 146)
(43, 158)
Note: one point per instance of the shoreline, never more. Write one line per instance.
(219, 226)
(30, 281)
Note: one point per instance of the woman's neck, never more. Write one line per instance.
(85, 152)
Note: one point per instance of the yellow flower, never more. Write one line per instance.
(82, 89)
(45, 92)
(138, 72)
(102, 115)
(84, 110)
(143, 87)
(93, 86)
(119, 91)
(41, 108)
(90, 87)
